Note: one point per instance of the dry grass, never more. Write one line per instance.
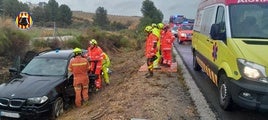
(132, 20)
(7, 22)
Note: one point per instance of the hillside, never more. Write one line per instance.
(85, 16)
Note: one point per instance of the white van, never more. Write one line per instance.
(230, 44)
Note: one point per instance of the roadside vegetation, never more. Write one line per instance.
(114, 33)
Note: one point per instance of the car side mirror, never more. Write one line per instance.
(214, 31)
(217, 32)
(13, 72)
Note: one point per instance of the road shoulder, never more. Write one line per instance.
(199, 100)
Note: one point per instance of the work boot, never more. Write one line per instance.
(85, 103)
(167, 65)
(157, 67)
(97, 90)
(149, 75)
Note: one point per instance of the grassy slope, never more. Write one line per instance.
(133, 20)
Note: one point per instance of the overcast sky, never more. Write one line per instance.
(131, 7)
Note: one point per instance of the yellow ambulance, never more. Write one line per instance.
(230, 44)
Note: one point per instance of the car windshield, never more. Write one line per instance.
(175, 28)
(46, 66)
(187, 27)
(249, 21)
(179, 19)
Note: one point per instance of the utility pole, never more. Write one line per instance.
(1, 11)
(54, 32)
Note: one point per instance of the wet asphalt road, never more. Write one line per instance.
(209, 90)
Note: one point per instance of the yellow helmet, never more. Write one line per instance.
(77, 50)
(160, 25)
(148, 29)
(154, 25)
(93, 42)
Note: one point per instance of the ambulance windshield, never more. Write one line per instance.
(249, 21)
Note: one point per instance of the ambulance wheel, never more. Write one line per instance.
(196, 66)
(225, 98)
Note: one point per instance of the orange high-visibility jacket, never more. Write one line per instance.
(95, 53)
(162, 33)
(79, 66)
(167, 40)
(151, 45)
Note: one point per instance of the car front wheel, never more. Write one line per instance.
(57, 108)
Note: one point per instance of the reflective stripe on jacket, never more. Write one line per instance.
(79, 66)
(95, 53)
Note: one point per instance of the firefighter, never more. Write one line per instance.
(150, 49)
(105, 67)
(160, 26)
(166, 46)
(156, 32)
(95, 55)
(79, 66)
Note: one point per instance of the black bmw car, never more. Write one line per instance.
(40, 90)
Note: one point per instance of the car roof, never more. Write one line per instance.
(61, 54)
(187, 24)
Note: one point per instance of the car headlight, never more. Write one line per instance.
(252, 71)
(183, 34)
(37, 100)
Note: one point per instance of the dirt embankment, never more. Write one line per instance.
(131, 95)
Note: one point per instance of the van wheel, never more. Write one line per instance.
(57, 108)
(196, 66)
(225, 98)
